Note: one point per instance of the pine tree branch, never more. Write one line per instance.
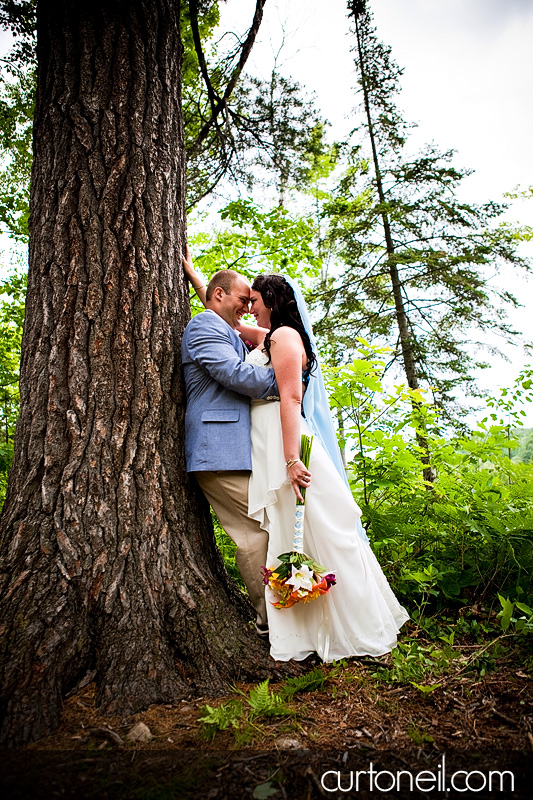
(212, 95)
(218, 104)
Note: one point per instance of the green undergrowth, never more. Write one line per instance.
(244, 715)
(438, 653)
(227, 548)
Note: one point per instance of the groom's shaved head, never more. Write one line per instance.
(225, 278)
(228, 295)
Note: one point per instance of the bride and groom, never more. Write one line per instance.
(245, 413)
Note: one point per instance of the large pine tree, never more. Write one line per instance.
(108, 564)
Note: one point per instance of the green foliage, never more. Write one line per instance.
(508, 407)
(425, 689)
(416, 663)
(12, 297)
(261, 702)
(17, 99)
(521, 233)
(518, 614)
(466, 536)
(310, 682)
(226, 716)
(254, 240)
(227, 549)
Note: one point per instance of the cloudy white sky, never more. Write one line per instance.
(467, 80)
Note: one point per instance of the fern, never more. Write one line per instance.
(263, 702)
(221, 718)
(310, 682)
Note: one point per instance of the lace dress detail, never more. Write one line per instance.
(360, 615)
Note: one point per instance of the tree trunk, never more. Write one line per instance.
(108, 560)
(406, 342)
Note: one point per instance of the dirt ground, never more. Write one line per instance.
(486, 713)
(476, 721)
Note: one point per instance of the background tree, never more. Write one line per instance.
(108, 563)
(270, 124)
(287, 129)
(417, 260)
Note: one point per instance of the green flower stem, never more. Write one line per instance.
(305, 457)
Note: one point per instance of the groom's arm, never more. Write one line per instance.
(210, 346)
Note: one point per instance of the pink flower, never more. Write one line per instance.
(266, 574)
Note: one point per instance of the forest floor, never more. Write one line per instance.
(471, 701)
(351, 709)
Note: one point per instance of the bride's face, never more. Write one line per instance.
(259, 309)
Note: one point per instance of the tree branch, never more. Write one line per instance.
(213, 97)
(221, 103)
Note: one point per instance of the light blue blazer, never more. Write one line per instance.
(219, 386)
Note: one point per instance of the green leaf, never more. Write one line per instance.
(506, 613)
(426, 689)
(264, 790)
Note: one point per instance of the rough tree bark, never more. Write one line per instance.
(107, 557)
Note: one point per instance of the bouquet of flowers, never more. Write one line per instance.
(298, 578)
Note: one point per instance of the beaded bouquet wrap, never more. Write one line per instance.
(298, 578)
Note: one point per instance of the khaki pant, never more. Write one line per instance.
(227, 493)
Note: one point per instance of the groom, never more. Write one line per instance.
(219, 386)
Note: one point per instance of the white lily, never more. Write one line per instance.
(301, 578)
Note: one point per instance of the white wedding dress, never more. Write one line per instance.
(360, 614)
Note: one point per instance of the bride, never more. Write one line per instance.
(360, 615)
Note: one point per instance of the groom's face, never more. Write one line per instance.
(231, 307)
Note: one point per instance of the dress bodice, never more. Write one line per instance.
(258, 358)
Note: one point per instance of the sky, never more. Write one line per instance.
(467, 82)
(467, 79)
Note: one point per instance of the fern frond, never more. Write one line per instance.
(264, 702)
(310, 682)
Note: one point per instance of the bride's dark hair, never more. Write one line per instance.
(279, 297)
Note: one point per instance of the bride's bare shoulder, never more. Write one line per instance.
(286, 336)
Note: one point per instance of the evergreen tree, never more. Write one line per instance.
(288, 130)
(416, 260)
